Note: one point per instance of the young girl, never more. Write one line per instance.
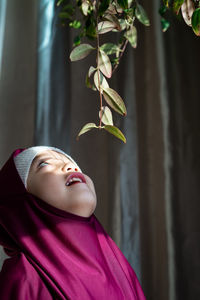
(57, 247)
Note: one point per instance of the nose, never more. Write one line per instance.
(70, 167)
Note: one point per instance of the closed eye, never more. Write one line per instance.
(42, 164)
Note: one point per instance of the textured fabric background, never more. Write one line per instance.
(18, 71)
(148, 190)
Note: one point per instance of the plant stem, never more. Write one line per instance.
(98, 72)
(122, 52)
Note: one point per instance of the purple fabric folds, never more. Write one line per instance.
(55, 254)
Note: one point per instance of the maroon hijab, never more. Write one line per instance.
(55, 254)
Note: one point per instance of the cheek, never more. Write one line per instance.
(90, 184)
(52, 185)
(47, 188)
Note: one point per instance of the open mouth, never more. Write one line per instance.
(74, 178)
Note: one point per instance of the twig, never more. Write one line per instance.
(98, 72)
(122, 52)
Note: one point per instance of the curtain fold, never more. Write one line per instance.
(129, 193)
(168, 160)
(18, 40)
(3, 4)
(53, 88)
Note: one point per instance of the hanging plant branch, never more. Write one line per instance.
(97, 18)
(119, 17)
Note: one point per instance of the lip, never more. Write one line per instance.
(77, 175)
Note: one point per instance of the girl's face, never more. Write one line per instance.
(57, 180)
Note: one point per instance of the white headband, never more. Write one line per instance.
(24, 160)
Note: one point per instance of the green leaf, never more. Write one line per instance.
(87, 82)
(90, 27)
(114, 100)
(166, 3)
(196, 21)
(75, 24)
(131, 36)
(141, 15)
(91, 71)
(162, 10)
(113, 19)
(118, 8)
(60, 2)
(177, 5)
(130, 3)
(165, 24)
(122, 24)
(187, 9)
(67, 12)
(109, 48)
(81, 52)
(130, 16)
(115, 131)
(87, 79)
(114, 61)
(111, 9)
(123, 3)
(103, 81)
(104, 64)
(105, 26)
(85, 7)
(106, 117)
(86, 128)
(77, 41)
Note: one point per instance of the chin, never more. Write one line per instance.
(87, 206)
(83, 205)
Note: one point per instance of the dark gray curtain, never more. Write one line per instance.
(148, 190)
(168, 126)
(183, 81)
(18, 41)
(53, 90)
